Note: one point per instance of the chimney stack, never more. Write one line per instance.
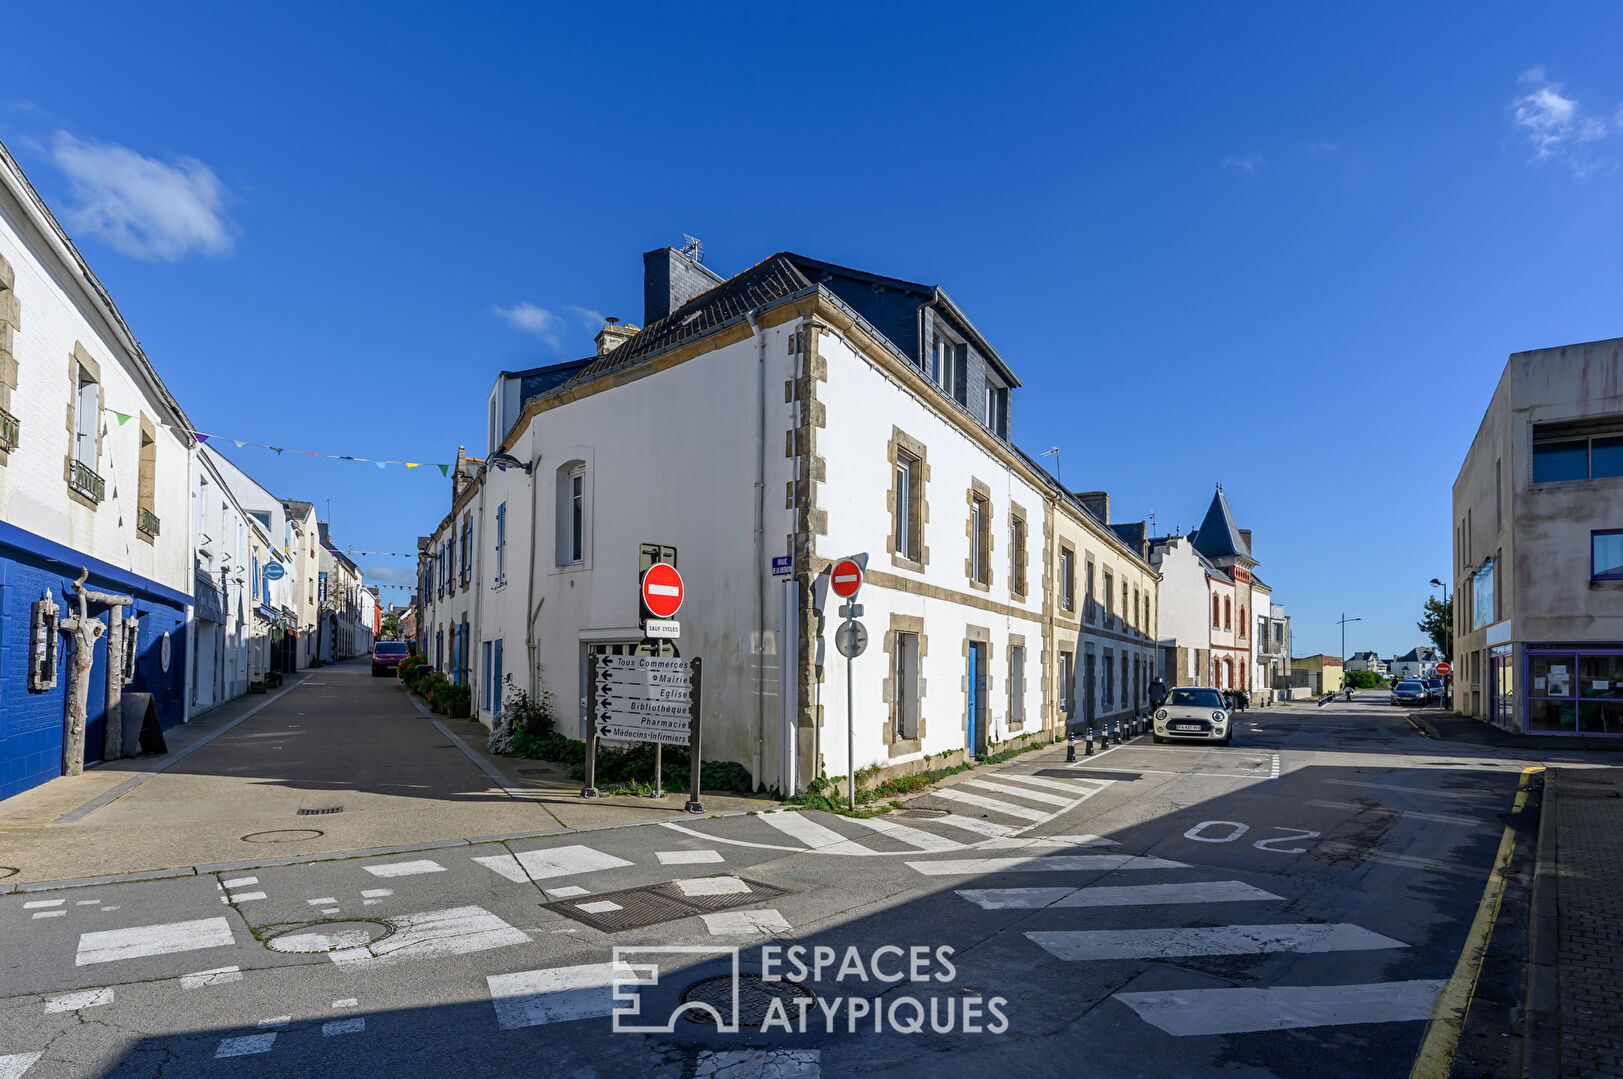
(669, 280)
(1097, 503)
(614, 334)
(1245, 534)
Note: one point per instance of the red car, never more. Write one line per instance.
(386, 656)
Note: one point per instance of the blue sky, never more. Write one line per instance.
(1287, 247)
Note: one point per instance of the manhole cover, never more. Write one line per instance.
(318, 812)
(283, 835)
(327, 936)
(918, 814)
(713, 998)
(8, 871)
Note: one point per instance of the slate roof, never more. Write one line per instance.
(296, 509)
(1217, 536)
(1422, 654)
(731, 301)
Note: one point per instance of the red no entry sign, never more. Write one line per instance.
(1443, 668)
(662, 590)
(845, 578)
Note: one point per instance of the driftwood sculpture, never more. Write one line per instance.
(85, 631)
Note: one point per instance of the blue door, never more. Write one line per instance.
(496, 677)
(974, 697)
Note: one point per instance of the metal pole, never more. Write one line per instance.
(696, 666)
(850, 721)
(590, 789)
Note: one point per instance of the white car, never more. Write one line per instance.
(1196, 712)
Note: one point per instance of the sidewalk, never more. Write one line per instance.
(1575, 992)
(334, 763)
(1446, 726)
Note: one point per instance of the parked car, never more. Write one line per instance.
(1412, 693)
(1195, 712)
(1435, 689)
(386, 656)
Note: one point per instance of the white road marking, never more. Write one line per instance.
(374, 893)
(343, 1026)
(247, 1045)
(240, 882)
(278, 1022)
(86, 902)
(913, 837)
(1283, 1007)
(217, 976)
(105, 910)
(405, 869)
(141, 941)
(330, 910)
(72, 1002)
(711, 886)
(38, 903)
(558, 995)
(457, 931)
(13, 1065)
(568, 891)
(745, 922)
(347, 1002)
(733, 842)
(599, 906)
(324, 901)
(1132, 895)
(1050, 863)
(317, 940)
(1073, 945)
(551, 862)
(687, 857)
(1012, 790)
(775, 1063)
(370, 902)
(49, 914)
(663, 590)
(1062, 785)
(975, 824)
(1057, 842)
(247, 897)
(797, 825)
(1273, 773)
(953, 794)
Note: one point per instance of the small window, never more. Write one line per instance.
(1067, 685)
(905, 675)
(501, 543)
(577, 517)
(1090, 613)
(1110, 602)
(573, 514)
(1228, 611)
(1606, 555)
(1109, 689)
(909, 511)
(1017, 684)
(980, 531)
(1067, 579)
(1217, 613)
(1017, 555)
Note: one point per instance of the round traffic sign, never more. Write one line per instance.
(662, 590)
(1443, 668)
(851, 638)
(845, 578)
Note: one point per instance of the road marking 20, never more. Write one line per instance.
(1235, 830)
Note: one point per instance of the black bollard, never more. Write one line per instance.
(1070, 748)
(1088, 747)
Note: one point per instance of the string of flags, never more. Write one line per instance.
(445, 469)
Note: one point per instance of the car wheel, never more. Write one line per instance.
(1159, 740)
(1226, 739)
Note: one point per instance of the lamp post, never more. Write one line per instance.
(1448, 626)
(1343, 624)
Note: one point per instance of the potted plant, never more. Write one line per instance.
(458, 700)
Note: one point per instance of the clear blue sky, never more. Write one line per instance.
(1286, 247)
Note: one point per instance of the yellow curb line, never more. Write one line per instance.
(1442, 1041)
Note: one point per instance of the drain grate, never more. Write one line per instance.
(318, 812)
(918, 814)
(634, 908)
(712, 999)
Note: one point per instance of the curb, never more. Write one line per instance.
(1541, 1018)
(1423, 726)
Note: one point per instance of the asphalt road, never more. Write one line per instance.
(1286, 906)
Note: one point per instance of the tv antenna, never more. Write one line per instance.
(693, 248)
(1053, 451)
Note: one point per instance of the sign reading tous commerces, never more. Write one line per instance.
(662, 590)
(640, 698)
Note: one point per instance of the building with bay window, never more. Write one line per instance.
(1538, 547)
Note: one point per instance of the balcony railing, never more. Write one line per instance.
(10, 431)
(146, 521)
(84, 479)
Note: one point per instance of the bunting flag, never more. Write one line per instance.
(241, 443)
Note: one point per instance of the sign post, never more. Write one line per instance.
(845, 580)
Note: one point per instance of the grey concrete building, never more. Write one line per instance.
(1538, 547)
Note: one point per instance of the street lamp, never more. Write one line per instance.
(1448, 622)
(1343, 623)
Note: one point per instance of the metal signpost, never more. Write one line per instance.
(844, 580)
(651, 696)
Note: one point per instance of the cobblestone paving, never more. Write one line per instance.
(1589, 853)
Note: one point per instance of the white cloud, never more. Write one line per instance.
(1248, 164)
(389, 576)
(532, 319)
(1555, 125)
(143, 207)
(585, 314)
(1318, 148)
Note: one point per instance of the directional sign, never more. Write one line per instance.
(851, 639)
(615, 733)
(1443, 668)
(642, 663)
(662, 590)
(845, 578)
(637, 706)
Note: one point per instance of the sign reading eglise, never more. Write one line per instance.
(643, 699)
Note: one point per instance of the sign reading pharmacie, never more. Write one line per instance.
(652, 699)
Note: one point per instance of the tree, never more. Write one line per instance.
(391, 626)
(1438, 624)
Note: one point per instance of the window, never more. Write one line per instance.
(1067, 579)
(909, 506)
(980, 540)
(1090, 613)
(501, 544)
(1482, 597)
(496, 681)
(1217, 613)
(146, 487)
(1017, 554)
(1109, 691)
(1242, 622)
(255, 585)
(485, 682)
(1606, 555)
(87, 410)
(1017, 684)
(467, 549)
(1498, 497)
(1579, 450)
(1110, 608)
(10, 315)
(1067, 685)
(1126, 686)
(573, 514)
(1137, 610)
(1228, 610)
(905, 685)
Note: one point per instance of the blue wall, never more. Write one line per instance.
(31, 724)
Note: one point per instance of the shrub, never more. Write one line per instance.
(1363, 679)
(407, 670)
(521, 716)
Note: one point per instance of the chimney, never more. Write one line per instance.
(1245, 534)
(1097, 503)
(614, 334)
(669, 280)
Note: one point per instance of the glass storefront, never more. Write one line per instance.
(1576, 691)
(1502, 671)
